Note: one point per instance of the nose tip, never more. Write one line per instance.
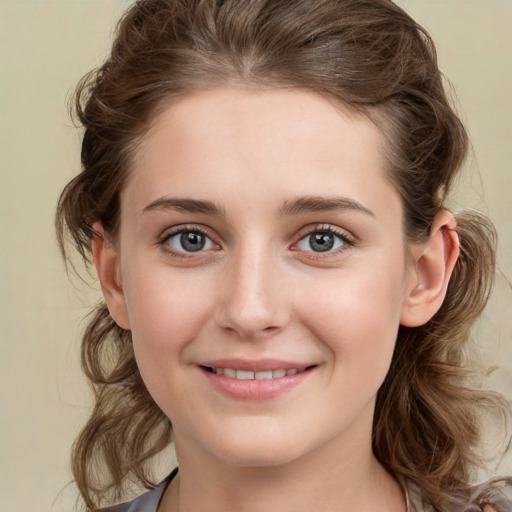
(250, 316)
(253, 303)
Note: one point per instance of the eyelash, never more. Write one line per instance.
(346, 239)
(163, 241)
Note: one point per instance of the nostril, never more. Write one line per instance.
(244, 330)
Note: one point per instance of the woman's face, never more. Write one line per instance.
(264, 273)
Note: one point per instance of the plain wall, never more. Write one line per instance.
(45, 47)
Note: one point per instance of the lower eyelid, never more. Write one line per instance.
(208, 244)
(165, 239)
(344, 239)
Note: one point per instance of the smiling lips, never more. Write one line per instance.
(263, 380)
(250, 375)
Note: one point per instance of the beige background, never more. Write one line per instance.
(45, 47)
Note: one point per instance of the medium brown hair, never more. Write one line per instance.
(370, 56)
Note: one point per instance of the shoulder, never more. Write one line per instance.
(500, 503)
(146, 502)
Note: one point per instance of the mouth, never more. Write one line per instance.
(255, 380)
(241, 374)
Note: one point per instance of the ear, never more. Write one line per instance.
(106, 262)
(433, 266)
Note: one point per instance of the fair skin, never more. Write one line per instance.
(259, 233)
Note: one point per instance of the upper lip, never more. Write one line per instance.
(257, 365)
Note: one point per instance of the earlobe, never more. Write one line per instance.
(434, 262)
(107, 267)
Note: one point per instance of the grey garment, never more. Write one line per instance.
(147, 502)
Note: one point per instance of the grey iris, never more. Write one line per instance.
(192, 242)
(321, 242)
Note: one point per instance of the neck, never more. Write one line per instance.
(352, 480)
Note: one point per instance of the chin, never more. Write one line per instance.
(257, 450)
(261, 458)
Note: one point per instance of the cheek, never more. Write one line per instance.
(166, 313)
(357, 318)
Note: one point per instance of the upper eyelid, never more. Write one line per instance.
(302, 233)
(318, 228)
(176, 230)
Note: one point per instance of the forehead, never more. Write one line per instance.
(282, 142)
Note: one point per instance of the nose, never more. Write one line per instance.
(253, 303)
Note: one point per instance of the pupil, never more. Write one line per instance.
(321, 242)
(192, 242)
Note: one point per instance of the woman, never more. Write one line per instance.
(262, 194)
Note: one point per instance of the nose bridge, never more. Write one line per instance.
(252, 302)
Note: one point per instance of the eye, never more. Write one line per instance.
(188, 241)
(323, 240)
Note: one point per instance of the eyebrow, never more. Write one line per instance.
(185, 205)
(308, 204)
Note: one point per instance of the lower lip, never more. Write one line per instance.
(255, 389)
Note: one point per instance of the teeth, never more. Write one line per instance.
(244, 375)
(263, 375)
(248, 375)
